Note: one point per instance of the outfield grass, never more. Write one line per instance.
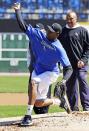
(13, 111)
(13, 84)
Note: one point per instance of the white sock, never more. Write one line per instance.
(56, 101)
(29, 109)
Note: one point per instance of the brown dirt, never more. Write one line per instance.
(13, 99)
(55, 122)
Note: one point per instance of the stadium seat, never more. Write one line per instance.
(33, 6)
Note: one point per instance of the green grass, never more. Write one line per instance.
(13, 111)
(18, 84)
(13, 84)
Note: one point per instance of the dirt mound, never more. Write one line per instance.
(76, 121)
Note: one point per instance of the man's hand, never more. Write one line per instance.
(16, 6)
(80, 64)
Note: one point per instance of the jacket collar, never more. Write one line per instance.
(77, 25)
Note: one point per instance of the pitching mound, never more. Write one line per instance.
(76, 121)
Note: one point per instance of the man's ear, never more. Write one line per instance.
(58, 34)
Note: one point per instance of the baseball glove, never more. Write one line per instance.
(60, 92)
(60, 89)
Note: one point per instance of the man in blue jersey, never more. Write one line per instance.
(30, 63)
(48, 51)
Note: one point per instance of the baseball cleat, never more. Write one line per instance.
(26, 121)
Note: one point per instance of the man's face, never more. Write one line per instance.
(52, 35)
(71, 19)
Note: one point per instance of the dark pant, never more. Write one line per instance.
(78, 79)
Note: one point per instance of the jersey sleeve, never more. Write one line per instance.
(32, 32)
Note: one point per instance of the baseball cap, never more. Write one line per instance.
(39, 25)
(55, 28)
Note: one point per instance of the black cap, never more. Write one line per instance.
(39, 25)
(55, 28)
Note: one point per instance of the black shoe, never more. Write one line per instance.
(27, 121)
(75, 108)
(85, 109)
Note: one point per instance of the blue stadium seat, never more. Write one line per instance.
(75, 4)
(40, 6)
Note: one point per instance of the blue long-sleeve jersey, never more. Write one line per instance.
(47, 53)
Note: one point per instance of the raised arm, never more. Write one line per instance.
(21, 22)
